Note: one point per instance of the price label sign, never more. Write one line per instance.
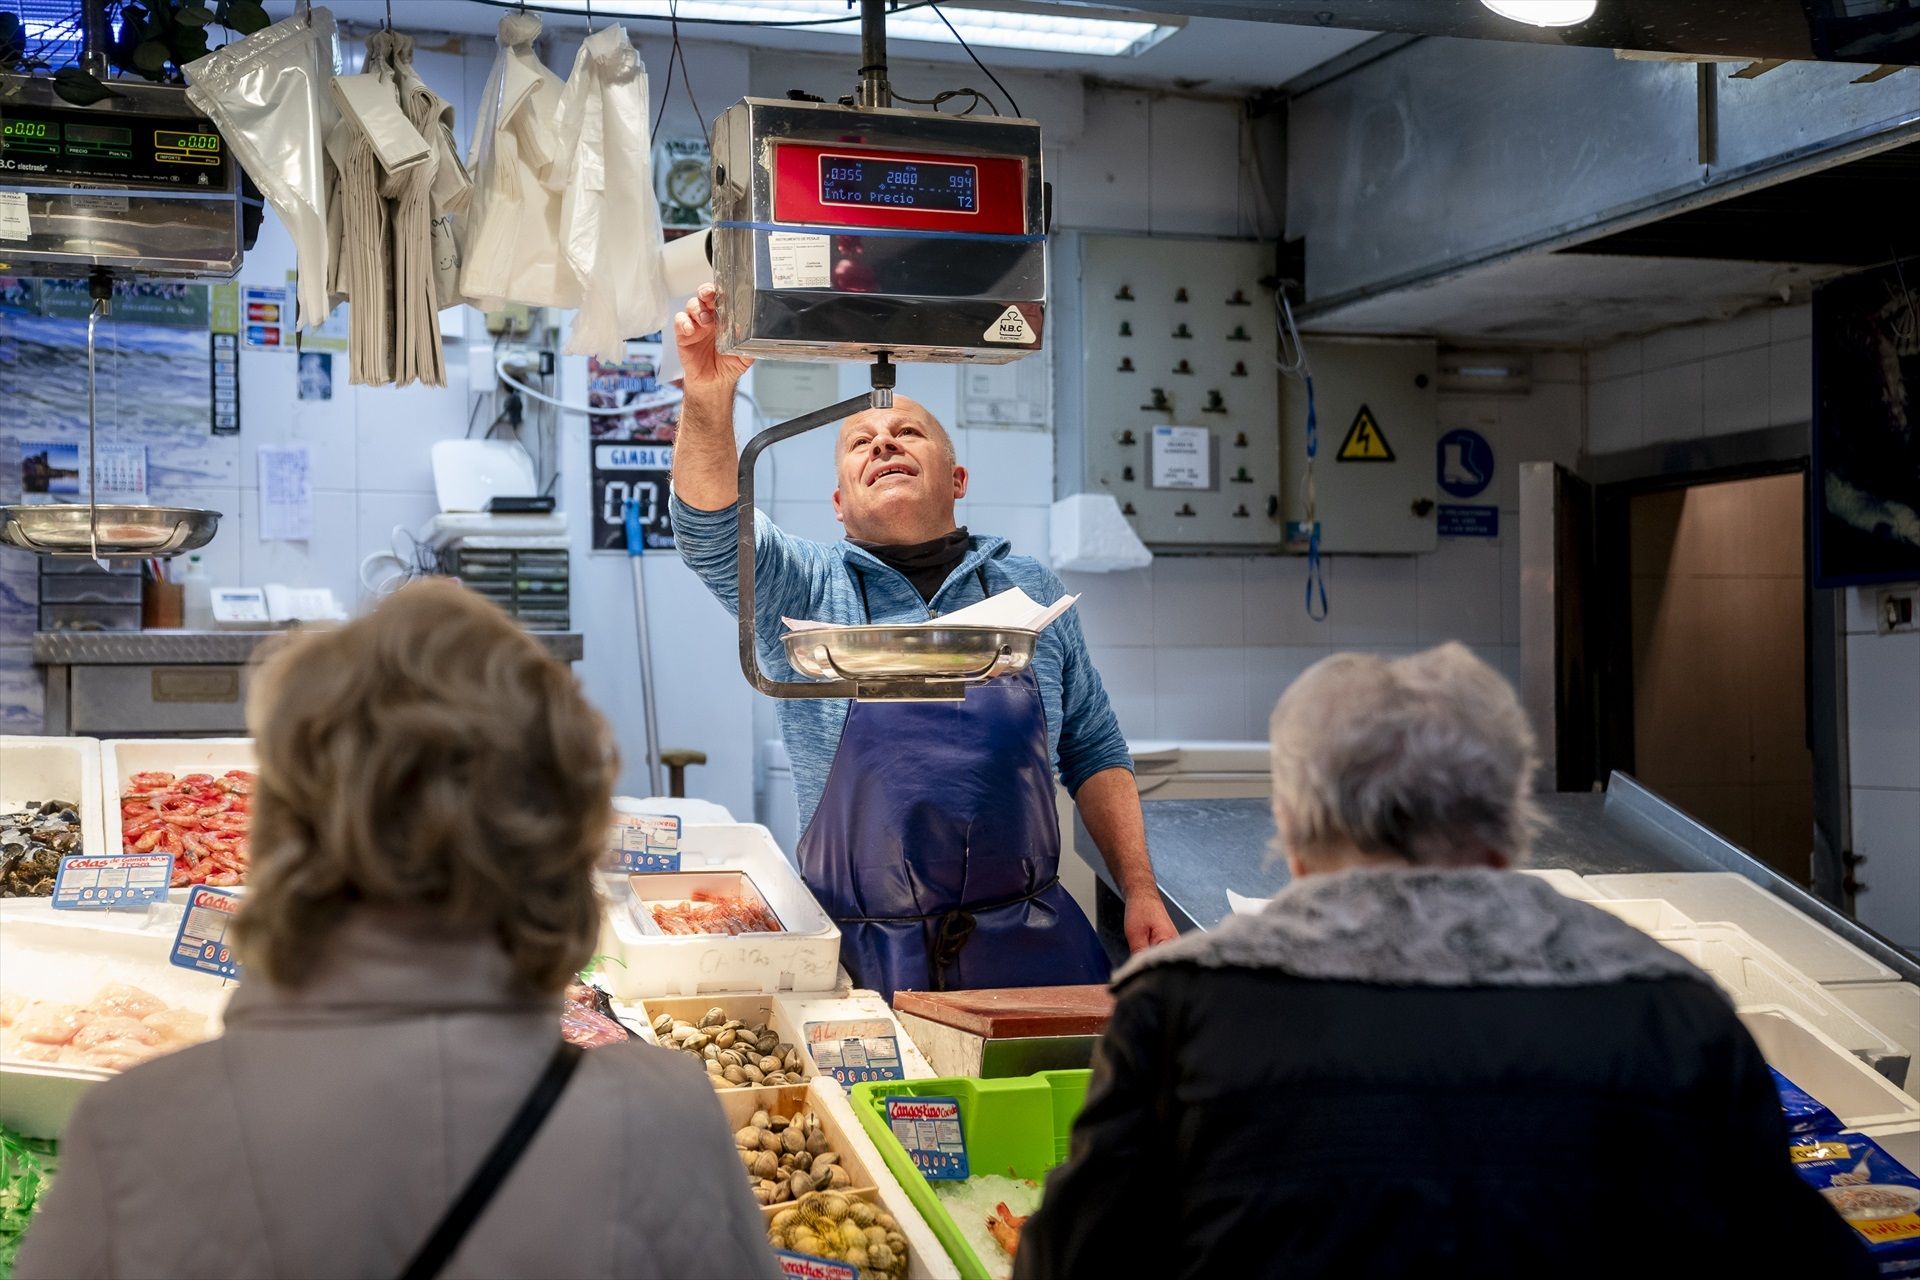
(645, 842)
(802, 1266)
(88, 883)
(200, 943)
(929, 1128)
(855, 1051)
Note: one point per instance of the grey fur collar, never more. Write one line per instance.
(1427, 928)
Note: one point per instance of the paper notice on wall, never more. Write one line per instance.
(1004, 395)
(788, 388)
(796, 260)
(1182, 458)
(286, 493)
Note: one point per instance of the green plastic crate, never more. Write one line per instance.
(1018, 1125)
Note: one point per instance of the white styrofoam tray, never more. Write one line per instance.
(806, 957)
(1846, 1086)
(797, 1009)
(1894, 1007)
(926, 1258)
(1801, 941)
(63, 957)
(1648, 915)
(1570, 883)
(1753, 975)
(121, 758)
(33, 768)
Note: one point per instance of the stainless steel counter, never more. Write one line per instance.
(1203, 848)
(129, 683)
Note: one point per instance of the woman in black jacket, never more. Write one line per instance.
(1414, 1062)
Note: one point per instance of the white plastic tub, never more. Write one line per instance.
(55, 769)
(67, 957)
(1894, 1007)
(121, 758)
(1848, 1087)
(1569, 883)
(1648, 915)
(797, 1010)
(1753, 975)
(804, 957)
(1806, 944)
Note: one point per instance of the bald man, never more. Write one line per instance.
(929, 829)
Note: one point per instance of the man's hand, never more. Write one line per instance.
(1148, 923)
(697, 329)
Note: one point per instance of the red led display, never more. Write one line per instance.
(839, 185)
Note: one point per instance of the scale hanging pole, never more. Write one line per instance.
(874, 89)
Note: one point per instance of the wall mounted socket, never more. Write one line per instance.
(1897, 609)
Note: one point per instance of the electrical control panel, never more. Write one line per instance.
(1168, 394)
(1376, 405)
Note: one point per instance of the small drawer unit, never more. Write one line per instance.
(531, 582)
(78, 595)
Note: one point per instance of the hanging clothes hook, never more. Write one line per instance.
(389, 15)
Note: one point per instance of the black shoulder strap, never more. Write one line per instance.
(493, 1171)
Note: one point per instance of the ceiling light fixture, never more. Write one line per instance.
(1101, 33)
(1545, 13)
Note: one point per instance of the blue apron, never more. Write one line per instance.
(936, 847)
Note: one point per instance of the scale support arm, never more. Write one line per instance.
(881, 397)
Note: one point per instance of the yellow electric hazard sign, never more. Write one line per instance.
(1364, 442)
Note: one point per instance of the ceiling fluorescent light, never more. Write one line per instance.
(1100, 33)
(1545, 13)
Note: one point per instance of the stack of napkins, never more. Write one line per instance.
(1011, 610)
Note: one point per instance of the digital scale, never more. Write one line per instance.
(875, 234)
(140, 183)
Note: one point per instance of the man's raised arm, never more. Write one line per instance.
(705, 461)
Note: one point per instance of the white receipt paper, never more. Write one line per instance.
(13, 216)
(1011, 610)
(286, 493)
(1241, 905)
(797, 260)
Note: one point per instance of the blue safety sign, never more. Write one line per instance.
(1465, 462)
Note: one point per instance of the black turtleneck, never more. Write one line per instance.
(925, 564)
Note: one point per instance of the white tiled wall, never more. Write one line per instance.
(1202, 647)
(1755, 370)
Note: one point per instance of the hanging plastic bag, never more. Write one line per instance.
(268, 96)
(418, 356)
(512, 249)
(365, 239)
(609, 221)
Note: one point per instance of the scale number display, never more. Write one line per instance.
(881, 180)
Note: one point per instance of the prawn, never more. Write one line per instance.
(1005, 1226)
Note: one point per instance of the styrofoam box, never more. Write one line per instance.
(1848, 1087)
(1894, 1007)
(121, 758)
(1901, 1141)
(65, 958)
(1648, 915)
(797, 1010)
(806, 957)
(56, 769)
(1753, 975)
(1803, 942)
(750, 1009)
(1570, 883)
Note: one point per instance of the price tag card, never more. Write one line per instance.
(856, 1050)
(804, 1266)
(929, 1128)
(88, 883)
(646, 842)
(201, 943)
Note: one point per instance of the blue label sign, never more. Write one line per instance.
(88, 883)
(1465, 463)
(855, 1051)
(646, 842)
(929, 1128)
(1469, 522)
(200, 944)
